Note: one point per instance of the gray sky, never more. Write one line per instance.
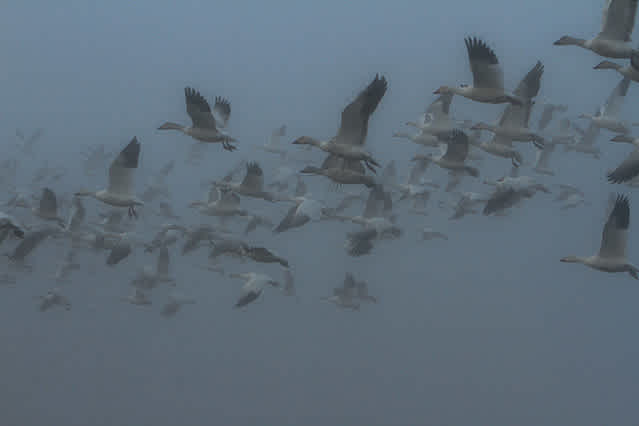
(487, 328)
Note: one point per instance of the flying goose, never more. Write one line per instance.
(515, 119)
(612, 253)
(547, 115)
(304, 211)
(207, 124)
(510, 191)
(225, 204)
(251, 186)
(630, 71)
(273, 146)
(613, 41)
(436, 119)
(253, 286)
(421, 138)
(32, 239)
(344, 296)
(488, 77)
(346, 148)
(467, 203)
(54, 298)
(174, 304)
(608, 115)
(120, 191)
(586, 143)
(454, 157)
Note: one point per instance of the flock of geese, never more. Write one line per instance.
(452, 145)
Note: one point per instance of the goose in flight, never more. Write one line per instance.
(612, 253)
(54, 298)
(488, 77)
(344, 296)
(547, 115)
(455, 156)
(207, 125)
(515, 119)
(346, 148)
(273, 146)
(120, 190)
(510, 191)
(613, 41)
(630, 71)
(304, 211)
(174, 304)
(436, 119)
(253, 286)
(466, 204)
(586, 143)
(251, 186)
(608, 115)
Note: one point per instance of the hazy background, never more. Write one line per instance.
(487, 328)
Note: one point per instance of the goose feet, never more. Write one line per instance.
(132, 212)
(227, 146)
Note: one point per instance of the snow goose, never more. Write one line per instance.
(515, 119)
(120, 191)
(612, 253)
(304, 211)
(273, 146)
(227, 204)
(54, 298)
(436, 119)
(346, 148)
(344, 297)
(174, 304)
(613, 41)
(630, 71)
(28, 143)
(207, 124)
(252, 185)
(547, 115)
(30, 242)
(586, 142)
(608, 115)
(467, 203)
(488, 77)
(510, 191)
(253, 286)
(454, 157)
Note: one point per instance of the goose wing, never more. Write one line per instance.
(48, 202)
(354, 125)
(618, 20)
(613, 104)
(221, 111)
(627, 170)
(440, 108)
(254, 178)
(199, 110)
(379, 203)
(122, 169)
(457, 149)
(487, 72)
(613, 238)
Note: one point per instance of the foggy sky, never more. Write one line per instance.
(487, 328)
